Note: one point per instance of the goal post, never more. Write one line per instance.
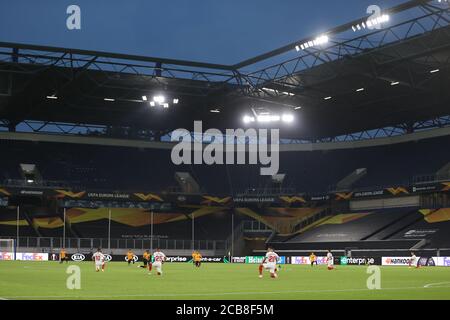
(7, 249)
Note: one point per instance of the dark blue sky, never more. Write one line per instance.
(221, 31)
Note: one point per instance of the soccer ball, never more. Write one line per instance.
(260, 276)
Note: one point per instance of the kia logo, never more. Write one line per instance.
(135, 258)
(78, 257)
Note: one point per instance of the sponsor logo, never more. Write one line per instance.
(108, 257)
(32, 256)
(419, 233)
(369, 193)
(356, 261)
(254, 259)
(177, 259)
(282, 260)
(306, 260)
(392, 261)
(108, 195)
(427, 188)
(254, 199)
(32, 192)
(135, 258)
(78, 257)
(238, 259)
(320, 198)
(6, 256)
(212, 259)
(446, 262)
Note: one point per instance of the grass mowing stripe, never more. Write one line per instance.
(223, 293)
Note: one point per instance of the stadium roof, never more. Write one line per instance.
(359, 80)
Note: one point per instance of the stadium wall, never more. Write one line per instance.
(290, 147)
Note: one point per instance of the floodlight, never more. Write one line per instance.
(152, 103)
(287, 118)
(144, 98)
(248, 119)
(267, 118)
(159, 99)
(175, 101)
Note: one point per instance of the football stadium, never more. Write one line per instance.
(316, 170)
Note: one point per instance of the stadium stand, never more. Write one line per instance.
(118, 168)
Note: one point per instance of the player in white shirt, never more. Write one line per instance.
(330, 260)
(414, 262)
(158, 260)
(269, 263)
(99, 259)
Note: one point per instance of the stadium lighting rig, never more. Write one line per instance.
(320, 40)
(160, 100)
(371, 23)
(268, 117)
(279, 92)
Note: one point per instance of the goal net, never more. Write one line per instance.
(7, 249)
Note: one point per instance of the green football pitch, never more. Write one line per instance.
(47, 281)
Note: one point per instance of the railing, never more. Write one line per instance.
(255, 226)
(41, 183)
(428, 178)
(54, 243)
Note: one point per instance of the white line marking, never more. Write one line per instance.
(215, 294)
(437, 284)
(1, 298)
